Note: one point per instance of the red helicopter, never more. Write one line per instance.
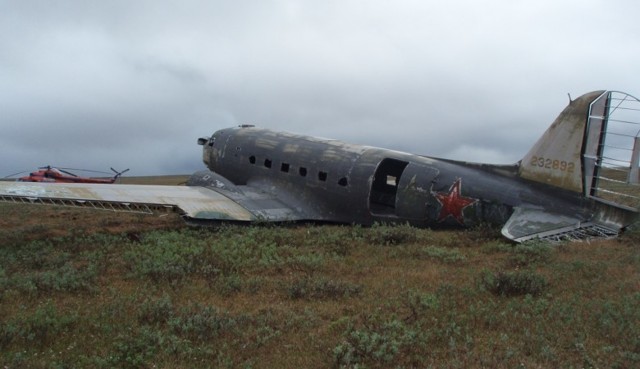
(61, 175)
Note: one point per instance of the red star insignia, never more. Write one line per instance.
(453, 203)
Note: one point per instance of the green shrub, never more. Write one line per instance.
(379, 345)
(514, 283)
(322, 288)
(445, 255)
(165, 257)
(523, 254)
(135, 349)
(335, 240)
(39, 327)
(278, 236)
(239, 252)
(497, 246)
(155, 311)
(484, 232)
(307, 263)
(531, 252)
(619, 319)
(68, 278)
(419, 304)
(38, 255)
(202, 323)
(391, 234)
(4, 282)
(228, 285)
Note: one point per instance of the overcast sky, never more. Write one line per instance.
(133, 84)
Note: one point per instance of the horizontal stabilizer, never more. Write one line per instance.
(527, 223)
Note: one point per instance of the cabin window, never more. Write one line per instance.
(302, 171)
(343, 182)
(267, 163)
(322, 176)
(252, 159)
(284, 167)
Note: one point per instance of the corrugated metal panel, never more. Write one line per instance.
(194, 202)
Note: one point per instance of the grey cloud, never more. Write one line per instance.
(133, 84)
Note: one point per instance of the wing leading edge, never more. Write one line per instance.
(191, 202)
(202, 203)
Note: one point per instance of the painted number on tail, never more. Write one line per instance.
(553, 164)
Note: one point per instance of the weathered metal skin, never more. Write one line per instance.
(239, 154)
(561, 143)
(329, 180)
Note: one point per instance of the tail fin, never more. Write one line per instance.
(592, 148)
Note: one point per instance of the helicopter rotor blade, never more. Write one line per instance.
(61, 170)
(66, 172)
(118, 174)
(15, 174)
(87, 170)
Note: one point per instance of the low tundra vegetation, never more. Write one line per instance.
(165, 296)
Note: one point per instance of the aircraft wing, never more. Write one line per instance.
(194, 202)
(532, 223)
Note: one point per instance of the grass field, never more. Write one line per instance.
(80, 288)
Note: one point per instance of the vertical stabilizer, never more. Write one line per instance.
(556, 159)
(593, 148)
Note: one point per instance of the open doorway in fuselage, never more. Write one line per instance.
(384, 188)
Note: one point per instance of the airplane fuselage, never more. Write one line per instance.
(360, 184)
(578, 181)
